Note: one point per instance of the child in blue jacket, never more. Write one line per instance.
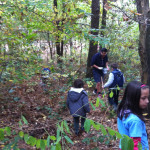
(130, 119)
(77, 102)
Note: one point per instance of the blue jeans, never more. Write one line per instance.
(76, 124)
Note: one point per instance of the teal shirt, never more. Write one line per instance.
(133, 126)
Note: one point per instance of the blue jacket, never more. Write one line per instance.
(77, 102)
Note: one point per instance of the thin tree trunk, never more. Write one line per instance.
(49, 44)
(103, 26)
(81, 52)
(71, 46)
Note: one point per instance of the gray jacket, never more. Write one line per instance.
(77, 102)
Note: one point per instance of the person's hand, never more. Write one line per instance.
(102, 86)
(100, 68)
(107, 68)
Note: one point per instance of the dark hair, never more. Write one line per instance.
(103, 50)
(114, 66)
(131, 99)
(78, 83)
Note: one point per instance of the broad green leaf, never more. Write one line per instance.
(1, 134)
(62, 125)
(92, 106)
(102, 102)
(111, 94)
(97, 102)
(87, 125)
(96, 126)
(118, 135)
(38, 142)
(58, 146)
(26, 136)
(118, 88)
(53, 147)
(58, 133)
(42, 145)
(20, 123)
(130, 144)
(124, 142)
(24, 119)
(66, 126)
(48, 141)
(21, 134)
(92, 122)
(53, 138)
(111, 132)
(31, 140)
(139, 146)
(68, 139)
(8, 131)
(103, 130)
(58, 140)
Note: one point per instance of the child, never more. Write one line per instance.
(116, 79)
(130, 120)
(77, 102)
(45, 75)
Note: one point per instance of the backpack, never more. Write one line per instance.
(118, 79)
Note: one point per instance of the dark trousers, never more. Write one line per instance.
(114, 99)
(76, 124)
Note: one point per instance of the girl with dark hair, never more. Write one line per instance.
(77, 102)
(130, 120)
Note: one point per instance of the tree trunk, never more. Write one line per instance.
(94, 25)
(103, 26)
(59, 44)
(144, 41)
(71, 46)
(142, 8)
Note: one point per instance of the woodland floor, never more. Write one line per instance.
(43, 110)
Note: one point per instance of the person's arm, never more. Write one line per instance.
(124, 79)
(68, 100)
(86, 103)
(110, 81)
(95, 66)
(107, 66)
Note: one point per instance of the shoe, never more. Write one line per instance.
(95, 91)
(99, 93)
(77, 133)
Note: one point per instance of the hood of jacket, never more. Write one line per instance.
(75, 93)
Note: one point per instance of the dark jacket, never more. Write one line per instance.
(77, 102)
(118, 79)
(99, 61)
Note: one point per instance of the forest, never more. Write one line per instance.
(63, 35)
